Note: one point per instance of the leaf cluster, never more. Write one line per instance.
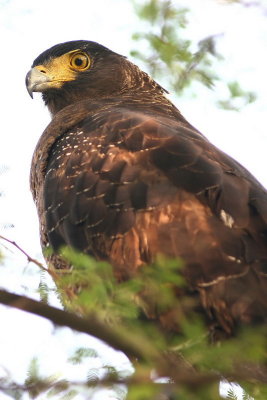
(238, 97)
(126, 305)
(177, 61)
(187, 366)
(166, 50)
(92, 285)
(37, 386)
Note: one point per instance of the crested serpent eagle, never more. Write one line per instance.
(120, 174)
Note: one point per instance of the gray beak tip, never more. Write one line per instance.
(36, 81)
(30, 93)
(28, 84)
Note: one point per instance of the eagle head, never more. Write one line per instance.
(77, 70)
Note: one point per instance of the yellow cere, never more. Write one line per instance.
(65, 68)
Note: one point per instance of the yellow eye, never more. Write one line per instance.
(80, 61)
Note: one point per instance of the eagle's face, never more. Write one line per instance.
(72, 71)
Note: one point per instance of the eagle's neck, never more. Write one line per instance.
(55, 100)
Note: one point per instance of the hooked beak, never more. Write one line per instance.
(37, 81)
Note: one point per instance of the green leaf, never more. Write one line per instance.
(81, 353)
(231, 395)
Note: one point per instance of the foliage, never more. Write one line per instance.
(81, 353)
(120, 303)
(238, 97)
(96, 287)
(176, 60)
(56, 387)
(187, 365)
(167, 51)
(231, 395)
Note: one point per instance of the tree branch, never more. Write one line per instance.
(116, 337)
(134, 346)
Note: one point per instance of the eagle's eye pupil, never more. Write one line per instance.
(80, 61)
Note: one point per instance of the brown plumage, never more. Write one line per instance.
(121, 175)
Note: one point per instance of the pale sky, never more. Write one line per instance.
(29, 27)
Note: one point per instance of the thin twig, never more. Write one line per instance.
(29, 258)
